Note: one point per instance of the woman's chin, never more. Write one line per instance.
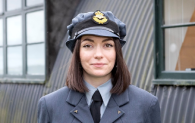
(100, 74)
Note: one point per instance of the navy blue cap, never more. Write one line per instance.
(95, 23)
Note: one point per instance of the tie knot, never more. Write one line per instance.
(97, 96)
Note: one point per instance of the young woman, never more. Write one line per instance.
(98, 86)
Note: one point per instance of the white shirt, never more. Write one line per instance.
(104, 90)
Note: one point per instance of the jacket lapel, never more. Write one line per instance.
(113, 110)
(81, 110)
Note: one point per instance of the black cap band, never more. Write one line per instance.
(90, 23)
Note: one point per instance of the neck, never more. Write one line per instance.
(96, 81)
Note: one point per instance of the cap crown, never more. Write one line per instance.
(85, 16)
(94, 19)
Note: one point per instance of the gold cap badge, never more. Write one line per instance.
(100, 18)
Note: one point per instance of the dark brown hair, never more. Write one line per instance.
(120, 73)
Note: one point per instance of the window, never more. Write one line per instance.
(22, 41)
(175, 42)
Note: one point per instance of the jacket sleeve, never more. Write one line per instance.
(43, 115)
(154, 112)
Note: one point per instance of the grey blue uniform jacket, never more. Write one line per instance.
(67, 106)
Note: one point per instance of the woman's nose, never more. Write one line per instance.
(98, 53)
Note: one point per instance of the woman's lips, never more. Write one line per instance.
(98, 64)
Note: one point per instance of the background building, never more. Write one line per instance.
(160, 52)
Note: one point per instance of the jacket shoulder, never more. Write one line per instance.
(59, 94)
(141, 106)
(55, 97)
(141, 94)
(138, 96)
(53, 107)
(145, 103)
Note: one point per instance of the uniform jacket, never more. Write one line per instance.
(67, 106)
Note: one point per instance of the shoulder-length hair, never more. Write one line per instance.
(120, 73)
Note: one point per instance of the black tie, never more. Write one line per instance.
(95, 106)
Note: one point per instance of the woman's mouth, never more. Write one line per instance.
(98, 64)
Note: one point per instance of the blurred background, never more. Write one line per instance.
(160, 52)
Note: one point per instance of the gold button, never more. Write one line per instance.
(119, 112)
(75, 111)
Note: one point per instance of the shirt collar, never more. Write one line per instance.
(104, 90)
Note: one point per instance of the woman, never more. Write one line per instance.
(98, 86)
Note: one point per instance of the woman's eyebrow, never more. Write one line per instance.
(107, 39)
(87, 39)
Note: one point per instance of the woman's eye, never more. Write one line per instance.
(109, 45)
(87, 46)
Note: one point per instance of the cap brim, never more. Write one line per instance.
(102, 32)
(98, 32)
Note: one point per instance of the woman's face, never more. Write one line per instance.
(97, 55)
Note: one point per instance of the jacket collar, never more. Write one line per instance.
(74, 97)
(114, 107)
(121, 99)
(82, 112)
